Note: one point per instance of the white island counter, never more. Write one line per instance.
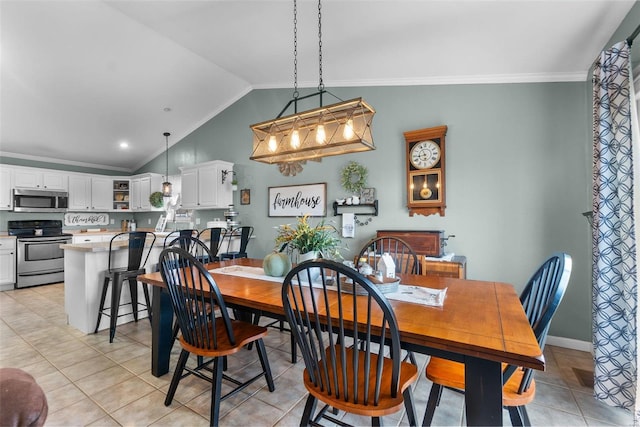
(84, 268)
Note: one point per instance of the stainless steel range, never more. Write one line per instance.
(40, 259)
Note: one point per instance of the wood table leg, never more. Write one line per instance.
(161, 331)
(483, 392)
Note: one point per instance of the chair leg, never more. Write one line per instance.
(116, 291)
(376, 422)
(432, 403)
(105, 286)
(410, 407)
(182, 361)
(519, 416)
(264, 361)
(216, 390)
(133, 290)
(309, 409)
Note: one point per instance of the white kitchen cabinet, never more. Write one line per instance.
(101, 193)
(7, 263)
(79, 192)
(6, 186)
(141, 188)
(202, 186)
(40, 179)
(90, 193)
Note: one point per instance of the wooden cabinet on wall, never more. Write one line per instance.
(426, 244)
(203, 186)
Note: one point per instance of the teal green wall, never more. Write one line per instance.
(518, 175)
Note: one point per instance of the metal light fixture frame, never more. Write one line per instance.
(166, 185)
(341, 128)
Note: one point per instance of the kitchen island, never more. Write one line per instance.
(84, 269)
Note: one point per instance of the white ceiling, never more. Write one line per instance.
(79, 77)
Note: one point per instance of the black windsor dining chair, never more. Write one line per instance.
(206, 329)
(540, 300)
(345, 366)
(199, 250)
(403, 255)
(139, 244)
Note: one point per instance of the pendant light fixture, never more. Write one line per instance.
(166, 185)
(330, 130)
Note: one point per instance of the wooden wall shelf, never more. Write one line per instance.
(370, 209)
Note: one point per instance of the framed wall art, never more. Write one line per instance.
(368, 195)
(298, 200)
(245, 196)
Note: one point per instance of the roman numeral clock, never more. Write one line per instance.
(425, 171)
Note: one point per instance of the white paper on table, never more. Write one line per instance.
(348, 225)
(419, 295)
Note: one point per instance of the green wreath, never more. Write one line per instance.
(156, 199)
(354, 177)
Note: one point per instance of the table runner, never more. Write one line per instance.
(407, 293)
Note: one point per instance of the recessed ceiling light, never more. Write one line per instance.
(167, 109)
(124, 144)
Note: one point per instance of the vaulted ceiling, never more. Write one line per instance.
(77, 78)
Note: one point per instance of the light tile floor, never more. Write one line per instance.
(89, 382)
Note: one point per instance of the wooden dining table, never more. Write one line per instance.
(480, 323)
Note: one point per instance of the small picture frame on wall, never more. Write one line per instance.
(245, 196)
(368, 195)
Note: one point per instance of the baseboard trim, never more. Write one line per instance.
(570, 343)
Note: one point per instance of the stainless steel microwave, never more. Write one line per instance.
(25, 200)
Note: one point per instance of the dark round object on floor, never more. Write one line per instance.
(22, 400)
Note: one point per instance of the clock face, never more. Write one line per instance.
(425, 154)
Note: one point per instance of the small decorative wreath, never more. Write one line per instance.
(354, 177)
(156, 199)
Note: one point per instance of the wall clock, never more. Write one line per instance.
(425, 166)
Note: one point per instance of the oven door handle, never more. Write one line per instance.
(60, 241)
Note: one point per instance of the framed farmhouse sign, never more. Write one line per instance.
(298, 200)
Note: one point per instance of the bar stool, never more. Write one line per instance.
(216, 237)
(245, 233)
(138, 247)
(187, 232)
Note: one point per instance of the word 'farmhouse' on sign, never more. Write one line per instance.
(298, 200)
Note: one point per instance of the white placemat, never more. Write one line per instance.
(407, 293)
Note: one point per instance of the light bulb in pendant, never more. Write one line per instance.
(295, 139)
(321, 136)
(273, 144)
(348, 129)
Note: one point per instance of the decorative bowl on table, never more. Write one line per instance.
(386, 285)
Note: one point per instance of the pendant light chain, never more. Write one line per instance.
(295, 50)
(320, 82)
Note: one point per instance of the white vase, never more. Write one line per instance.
(314, 272)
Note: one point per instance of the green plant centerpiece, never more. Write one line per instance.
(156, 199)
(305, 238)
(354, 177)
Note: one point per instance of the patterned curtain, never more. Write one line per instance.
(615, 276)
